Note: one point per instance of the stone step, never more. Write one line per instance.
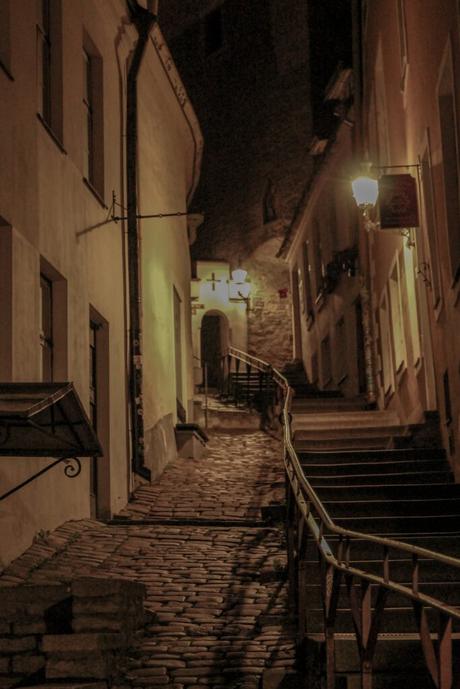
(279, 678)
(395, 621)
(432, 507)
(345, 420)
(418, 491)
(400, 570)
(68, 685)
(447, 591)
(392, 658)
(329, 444)
(400, 525)
(388, 478)
(320, 405)
(344, 435)
(390, 454)
(361, 549)
(378, 468)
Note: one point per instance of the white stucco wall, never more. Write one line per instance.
(48, 213)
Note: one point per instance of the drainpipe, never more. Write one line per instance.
(143, 20)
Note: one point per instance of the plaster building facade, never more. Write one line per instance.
(63, 257)
(408, 116)
(391, 331)
(330, 303)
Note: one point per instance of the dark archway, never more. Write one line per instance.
(214, 344)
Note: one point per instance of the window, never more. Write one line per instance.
(326, 362)
(181, 414)
(46, 327)
(385, 345)
(402, 32)
(317, 265)
(49, 65)
(307, 300)
(98, 383)
(213, 31)
(429, 218)
(407, 273)
(397, 324)
(93, 164)
(5, 35)
(53, 323)
(449, 147)
(341, 350)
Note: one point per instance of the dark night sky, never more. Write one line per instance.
(330, 42)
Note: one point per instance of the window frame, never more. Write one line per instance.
(93, 117)
(450, 153)
(49, 67)
(5, 37)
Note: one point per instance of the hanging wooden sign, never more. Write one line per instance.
(398, 202)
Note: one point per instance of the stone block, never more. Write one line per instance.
(5, 628)
(191, 441)
(23, 628)
(15, 599)
(81, 643)
(92, 667)
(98, 587)
(5, 666)
(72, 685)
(10, 646)
(98, 623)
(28, 664)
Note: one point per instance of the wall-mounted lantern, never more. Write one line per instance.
(397, 197)
(240, 288)
(365, 191)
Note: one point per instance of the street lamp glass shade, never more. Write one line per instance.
(365, 191)
(239, 275)
(244, 290)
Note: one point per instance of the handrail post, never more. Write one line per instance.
(206, 394)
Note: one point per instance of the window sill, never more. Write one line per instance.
(94, 192)
(5, 69)
(51, 133)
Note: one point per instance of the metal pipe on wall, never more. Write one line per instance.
(143, 20)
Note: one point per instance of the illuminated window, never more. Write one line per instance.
(49, 65)
(93, 166)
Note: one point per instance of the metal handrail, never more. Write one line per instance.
(307, 501)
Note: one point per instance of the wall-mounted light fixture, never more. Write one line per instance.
(397, 198)
(240, 288)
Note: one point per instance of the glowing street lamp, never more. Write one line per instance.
(365, 191)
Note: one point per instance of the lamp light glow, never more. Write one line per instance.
(239, 276)
(365, 191)
(244, 290)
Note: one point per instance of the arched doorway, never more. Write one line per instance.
(214, 344)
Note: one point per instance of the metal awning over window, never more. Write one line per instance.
(45, 420)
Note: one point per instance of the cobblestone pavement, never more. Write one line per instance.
(216, 594)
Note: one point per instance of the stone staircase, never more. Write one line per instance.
(362, 467)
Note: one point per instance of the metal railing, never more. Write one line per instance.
(307, 517)
(247, 380)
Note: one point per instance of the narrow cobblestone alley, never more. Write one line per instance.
(216, 595)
